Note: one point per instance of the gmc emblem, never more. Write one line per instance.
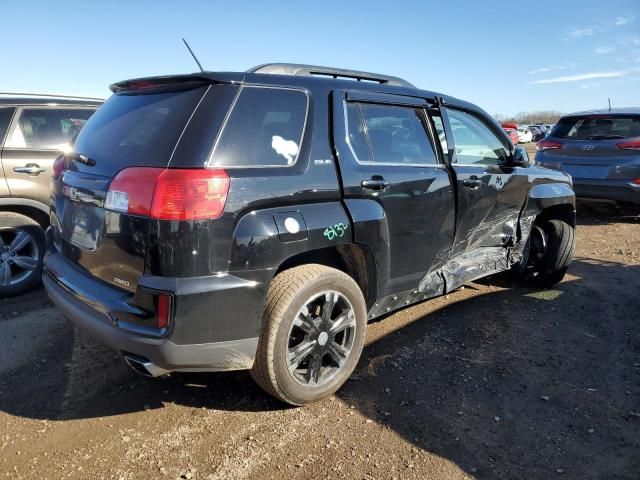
(70, 192)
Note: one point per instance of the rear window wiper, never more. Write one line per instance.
(78, 157)
(604, 136)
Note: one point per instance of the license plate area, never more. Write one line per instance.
(587, 171)
(85, 226)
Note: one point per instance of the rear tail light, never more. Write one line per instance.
(58, 166)
(636, 181)
(169, 194)
(632, 145)
(547, 145)
(163, 310)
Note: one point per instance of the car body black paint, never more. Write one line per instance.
(426, 232)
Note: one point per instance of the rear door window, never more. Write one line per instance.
(356, 133)
(47, 128)
(136, 129)
(597, 127)
(264, 129)
(395, 134)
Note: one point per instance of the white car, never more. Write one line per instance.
(524, 135)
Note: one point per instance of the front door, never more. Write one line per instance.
(489, 195)
(389, 164)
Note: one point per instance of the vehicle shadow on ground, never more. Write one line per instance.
(522, 383)
(507, 383)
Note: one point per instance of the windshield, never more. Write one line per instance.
(597, 127)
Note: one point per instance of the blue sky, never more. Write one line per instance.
(504, 56)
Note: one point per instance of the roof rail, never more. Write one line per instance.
(314, 70)
(51, 95)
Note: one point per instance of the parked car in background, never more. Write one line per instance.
(512, 130)
(524, 135)
(34, 130)
(600, 149)
(257, 220)
(513, 135)
(548, 127)
(537, 132)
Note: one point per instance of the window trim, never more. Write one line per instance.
(428, 133)
(16, 117)
(492, 130)
(230, 112)
(9, 124)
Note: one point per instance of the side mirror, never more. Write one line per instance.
(520, 157)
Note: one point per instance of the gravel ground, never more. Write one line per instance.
(487, 382)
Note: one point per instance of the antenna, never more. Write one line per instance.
(609, 103)
(193, 55)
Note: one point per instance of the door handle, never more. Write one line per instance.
(376, 183)
(472, 182)
(32, 169)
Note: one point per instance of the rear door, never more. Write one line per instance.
(489, 195)
(387, 155)
(36, 137)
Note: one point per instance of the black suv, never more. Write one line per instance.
(34, 129)
(258, 220)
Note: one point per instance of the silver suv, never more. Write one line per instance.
(34, 130)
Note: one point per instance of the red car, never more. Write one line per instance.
(512, 131)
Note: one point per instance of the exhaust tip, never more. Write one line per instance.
(144, 367)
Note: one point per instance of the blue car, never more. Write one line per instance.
(600, 149)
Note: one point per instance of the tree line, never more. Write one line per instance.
(530, 118)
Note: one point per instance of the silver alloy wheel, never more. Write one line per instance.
(19, 256)
(321, 338)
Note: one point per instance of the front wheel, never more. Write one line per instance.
(548, 253)
(312, 334)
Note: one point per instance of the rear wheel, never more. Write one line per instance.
(548, 253)
(21, 253)
(312, 336)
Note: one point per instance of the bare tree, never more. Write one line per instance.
(530, 118)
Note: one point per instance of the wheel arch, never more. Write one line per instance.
(355, 259)
(564, 211)
(29, 208)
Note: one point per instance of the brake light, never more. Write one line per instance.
(163, 310)
(169, 194)
(636, 181)
(632, 145)
(58, 166)
(140, 85)
(547, 145)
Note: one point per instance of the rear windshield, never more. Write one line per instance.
(142, 130)
(597, 127)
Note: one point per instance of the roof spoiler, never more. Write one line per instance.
(315, 70)
(156, 84)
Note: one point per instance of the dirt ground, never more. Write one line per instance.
(488, 382)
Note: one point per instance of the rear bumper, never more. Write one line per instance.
(616, 190)
(182, 348)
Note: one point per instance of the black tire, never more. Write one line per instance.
(289, 292)
(21, 279)
(561, 244)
